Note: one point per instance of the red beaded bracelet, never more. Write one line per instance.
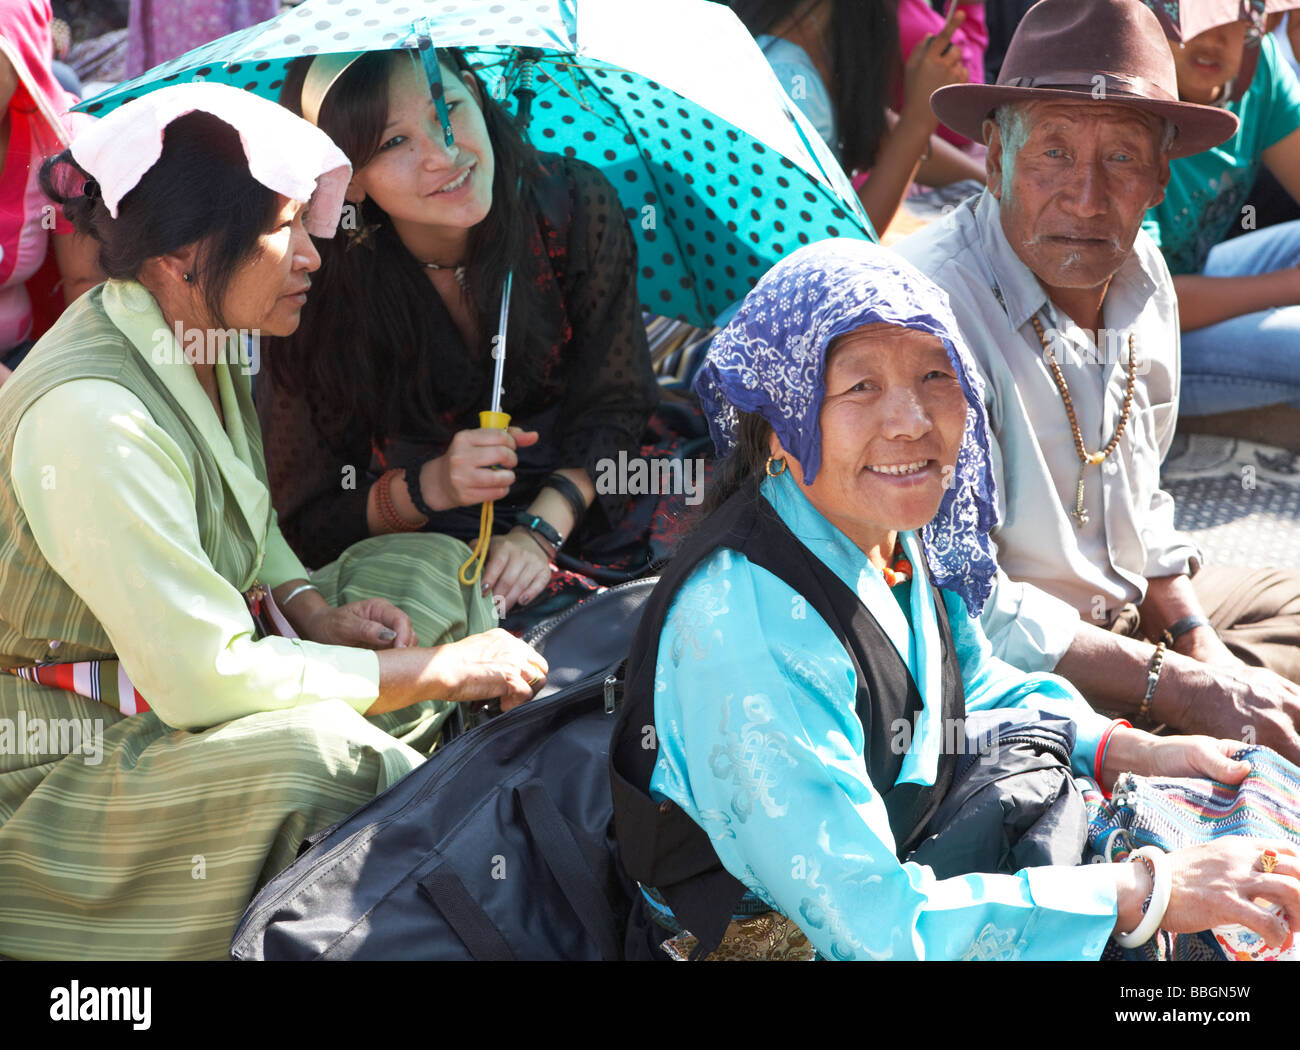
(392, 520)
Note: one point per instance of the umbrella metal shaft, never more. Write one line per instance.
(499, 344)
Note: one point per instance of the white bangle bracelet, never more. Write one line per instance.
(297, 591)
(1161, 886)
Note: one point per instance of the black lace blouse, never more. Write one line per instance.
(590, 395)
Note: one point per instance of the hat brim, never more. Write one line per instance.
(965, 107)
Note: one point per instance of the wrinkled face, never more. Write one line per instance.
(892, 425)
(415, 177)
(1207, 62)
(269, 290)
(1074, 194)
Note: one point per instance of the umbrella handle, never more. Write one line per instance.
(477, 557)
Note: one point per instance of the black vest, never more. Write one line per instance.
(664, 848)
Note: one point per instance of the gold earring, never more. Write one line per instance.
(779, 470)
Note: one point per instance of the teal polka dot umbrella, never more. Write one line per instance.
(718, 173)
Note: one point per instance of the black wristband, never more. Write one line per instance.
(1179, 628)
(541, 526)
(571, 493)
(412, 478)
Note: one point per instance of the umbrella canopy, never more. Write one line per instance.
(718, 172)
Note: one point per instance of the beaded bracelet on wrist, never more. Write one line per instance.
(392, 520)
(1153, 679)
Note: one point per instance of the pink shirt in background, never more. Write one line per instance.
(26, 220)
(917, 20)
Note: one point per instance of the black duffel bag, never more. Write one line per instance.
(1013, 803)
(499, 847)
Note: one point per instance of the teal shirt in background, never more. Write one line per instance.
(797, 74)
(1206, 191)
(760, 743)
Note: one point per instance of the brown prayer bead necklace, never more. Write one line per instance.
(1086, 458)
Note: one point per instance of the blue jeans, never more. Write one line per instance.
(1252, 360)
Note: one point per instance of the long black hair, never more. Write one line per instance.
(370, 349)
(199, 191)
(862, 42)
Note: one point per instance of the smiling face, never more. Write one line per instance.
(892, 424)
(1208, 62)
(1074, 192)
(424, 185)
(269, 290)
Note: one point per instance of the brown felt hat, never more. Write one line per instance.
(1085, 51)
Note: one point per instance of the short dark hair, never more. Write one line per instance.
(199, 191)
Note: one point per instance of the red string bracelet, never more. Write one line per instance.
(1100, 757)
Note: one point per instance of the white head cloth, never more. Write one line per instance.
(285, 153)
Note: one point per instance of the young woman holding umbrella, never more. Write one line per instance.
(393, 362)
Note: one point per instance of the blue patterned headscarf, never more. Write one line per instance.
(771, 359)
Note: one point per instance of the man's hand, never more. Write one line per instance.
(1237, 702)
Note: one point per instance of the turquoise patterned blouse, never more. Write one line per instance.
(760, 743)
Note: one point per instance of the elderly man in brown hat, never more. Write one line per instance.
(1071, 313)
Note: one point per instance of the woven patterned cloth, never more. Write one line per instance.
(1173, 812)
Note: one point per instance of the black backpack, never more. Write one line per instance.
(499, 847)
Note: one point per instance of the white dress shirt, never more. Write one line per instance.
(1052, 571)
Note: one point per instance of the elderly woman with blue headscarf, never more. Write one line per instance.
(787, 734)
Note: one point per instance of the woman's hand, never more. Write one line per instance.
(464, 474)
(1133, 751)
(1219, 883)
(928, 69)
(370, 624)
(517, 569)
(491, 664)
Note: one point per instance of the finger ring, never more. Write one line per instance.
(1268, 861)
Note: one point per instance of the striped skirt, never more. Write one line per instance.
(121, 838)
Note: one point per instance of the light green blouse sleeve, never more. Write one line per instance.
(109, 497)
(279, 563)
